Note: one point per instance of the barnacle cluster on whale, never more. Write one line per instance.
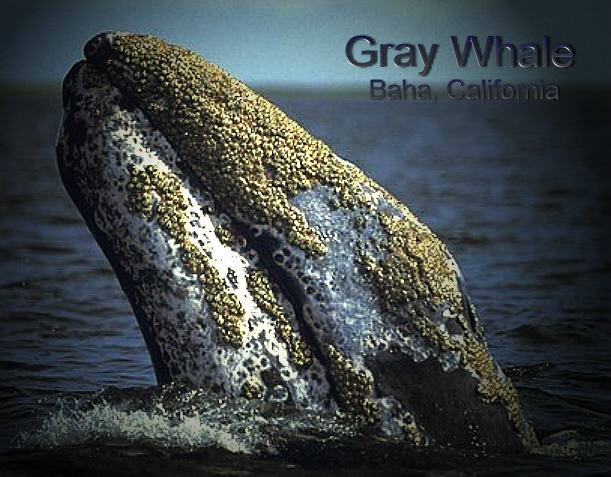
(224, 306)
(260, 263)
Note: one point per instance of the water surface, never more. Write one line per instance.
(519, 192)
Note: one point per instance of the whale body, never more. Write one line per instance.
(260, 264)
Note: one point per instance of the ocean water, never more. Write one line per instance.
(520, 193)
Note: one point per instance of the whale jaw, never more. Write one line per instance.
(260, 264)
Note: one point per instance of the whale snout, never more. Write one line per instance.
(97, 44)
(102, 52)
(99, 48)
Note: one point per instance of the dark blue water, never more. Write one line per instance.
(519, 191)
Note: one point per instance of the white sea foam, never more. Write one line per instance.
(187, 421)
(65, 428)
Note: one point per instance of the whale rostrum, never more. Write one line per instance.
(260, 264)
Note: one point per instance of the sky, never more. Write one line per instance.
(291, 42)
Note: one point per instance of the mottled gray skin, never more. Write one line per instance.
(419, 391)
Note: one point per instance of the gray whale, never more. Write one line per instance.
(260, 264)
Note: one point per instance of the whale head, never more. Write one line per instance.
(260, 264)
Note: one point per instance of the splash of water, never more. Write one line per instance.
(182, 420)
(179, 418)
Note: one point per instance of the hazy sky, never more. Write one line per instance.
(303, 42)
